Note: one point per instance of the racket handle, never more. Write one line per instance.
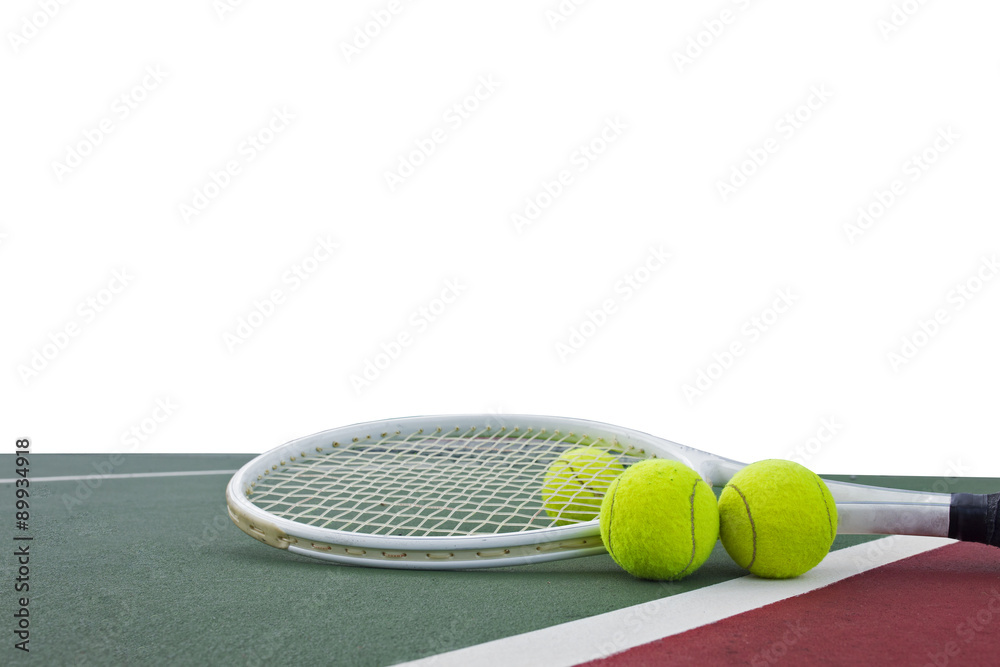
(974, 518)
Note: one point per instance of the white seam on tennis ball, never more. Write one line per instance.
(694, 545)
(820, 485)
(611, 516)
(753, 526)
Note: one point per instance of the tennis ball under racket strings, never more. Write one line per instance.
(575, 484)
(659, 520)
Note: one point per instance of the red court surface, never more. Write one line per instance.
(938, 608)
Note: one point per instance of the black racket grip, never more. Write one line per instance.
(974, 518)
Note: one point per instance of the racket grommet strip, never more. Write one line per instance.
(583, 543)
(260, 530)
(496, 553)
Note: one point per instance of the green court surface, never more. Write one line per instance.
(150, 570)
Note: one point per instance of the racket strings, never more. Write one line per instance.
(501, 512)
(386, 481)
(478, 480)
(420, 487)
(359, 471)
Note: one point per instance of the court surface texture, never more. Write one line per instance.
(134, 561)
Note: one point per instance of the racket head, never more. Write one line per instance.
(434, 492)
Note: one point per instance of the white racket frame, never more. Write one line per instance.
(861, 509)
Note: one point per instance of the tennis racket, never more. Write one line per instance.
(464, 491)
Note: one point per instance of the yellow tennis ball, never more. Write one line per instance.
(576, 482)
(778, 519)
(659, 520)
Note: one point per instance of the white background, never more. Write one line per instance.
(893, 78)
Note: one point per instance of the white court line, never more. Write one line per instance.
(130, 475)
(605, 634)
